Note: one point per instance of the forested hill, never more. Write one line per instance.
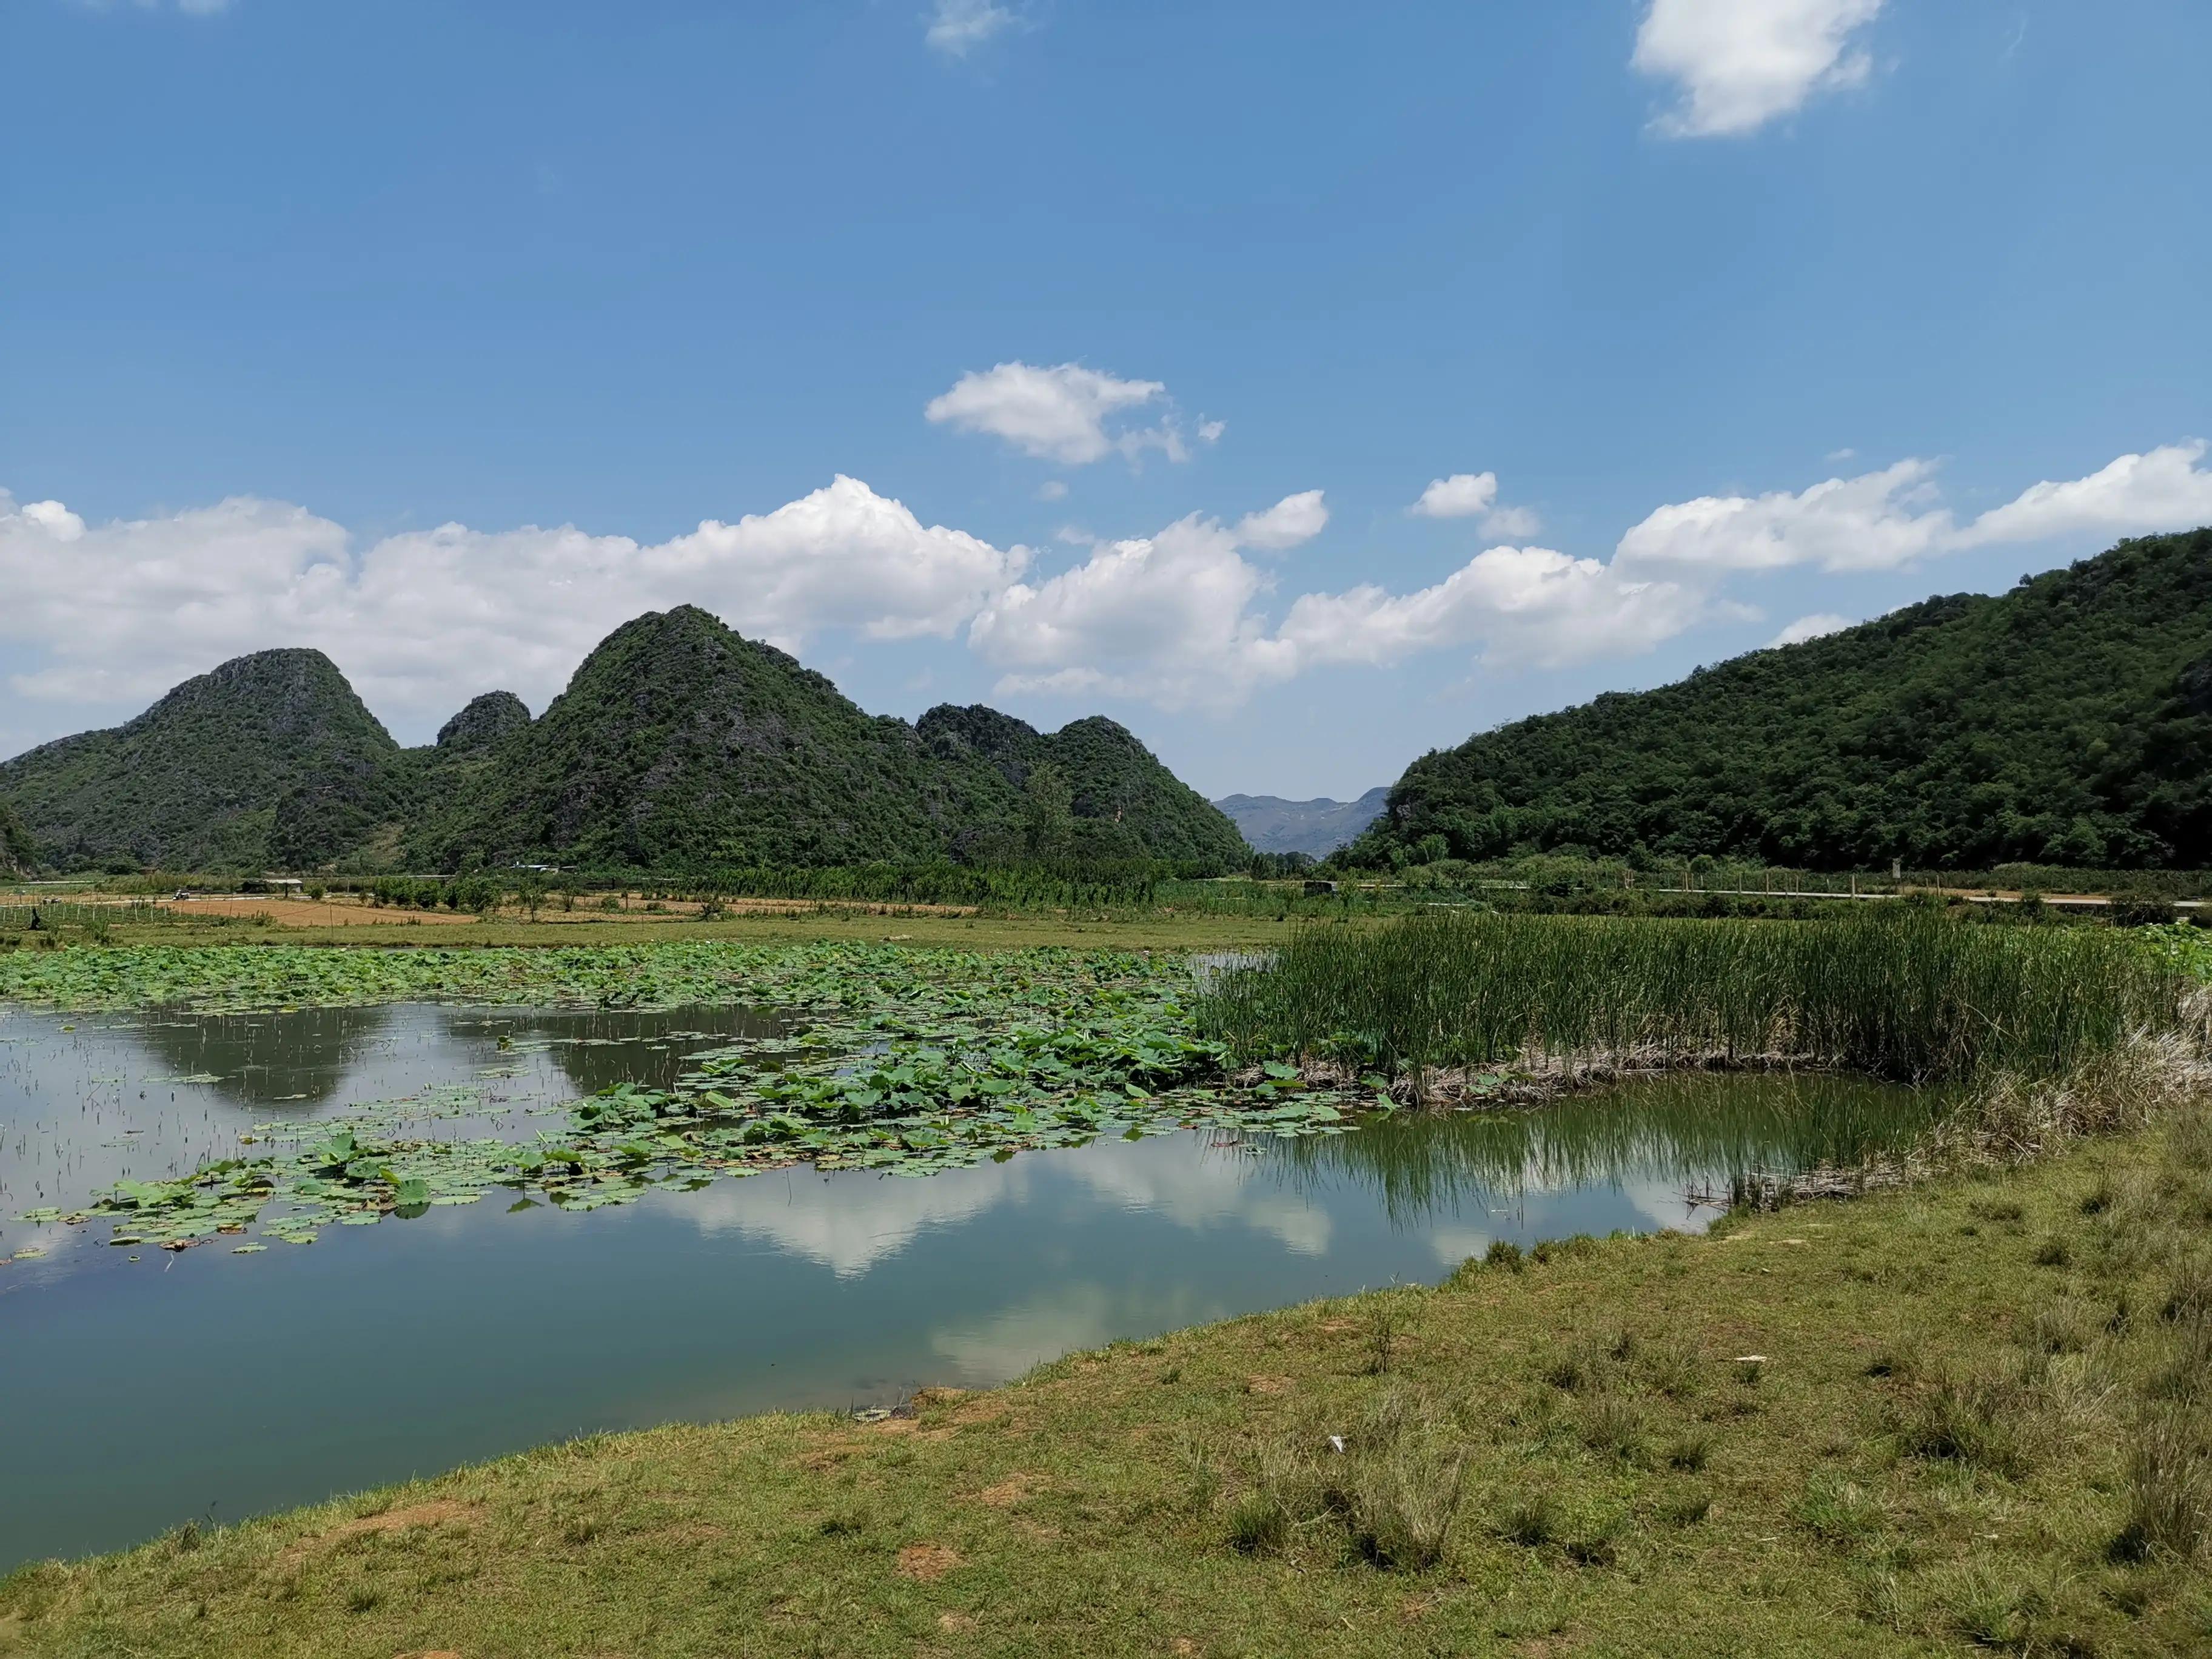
(678, 744)
(270, 758)
(2068, 721)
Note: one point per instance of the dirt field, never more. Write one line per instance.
(307, 913)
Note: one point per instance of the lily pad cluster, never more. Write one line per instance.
(907, 1062)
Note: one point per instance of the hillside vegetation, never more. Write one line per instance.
(2066, 722)
(678, 744)
(270, 758)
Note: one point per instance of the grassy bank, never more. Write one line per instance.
(1977, 1416)
(1907, 993)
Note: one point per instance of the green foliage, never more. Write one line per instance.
(2068, 722)
(678, 746)
(270, 759)
(1901, 991)
(19, 853)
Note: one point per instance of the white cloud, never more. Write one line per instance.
(1467, 495)
(1051, 489)
(1293, 519)
(1740, 64)
(1512, 524)
(1872, 522)
(1061, 413)
(1810, 628)
(1172, 619)
(1166, 618)
(422, 619)
(1886, 519)
(1524, 604)
(958, 27)
(2163, 489)
(1460, 496)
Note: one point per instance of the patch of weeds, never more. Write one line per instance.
(1685, 1507)
(1672, 1366)
(1400, 1510)
(1258, 1524)
(579, 1529)
(1900, 1363)
(2169, 1487)
(1379, 1334)
(363, 1598)
(1599, 1548)
(1998, 1209)
(2186, 1371)
(1613, 1425)
(1972, 1422)
(1749, 1368)
(1589, 1363)
(1530, 1520)
(838, 1523)
(1689, 1450)
(2189, 1292)
(2103, 1194)
(2055, 1251)
(1503, 1253)
(2067, 1326)
(1993, 1610)
(1839, 1510)
(1563, 1250)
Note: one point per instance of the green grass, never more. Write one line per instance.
(1943, 1446)
(1905, 992)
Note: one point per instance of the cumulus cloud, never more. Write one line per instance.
(1740, 64)
(1293, 519)
(1062, 413)
(1470, 494)
(1460, 496)
(1167, 618)
(957, 28)
(1175, 618)
(1875, 521)
(1810, 628)
(422, 619)
(1526, 605)
(1886, 519)
(2162, 490)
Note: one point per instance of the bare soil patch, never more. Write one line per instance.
(926, 1562)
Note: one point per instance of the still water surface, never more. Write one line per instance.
(139, 1394)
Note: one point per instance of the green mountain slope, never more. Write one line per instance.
(2068, 721)
(1120, 802)
(270, 759)
(679, 742)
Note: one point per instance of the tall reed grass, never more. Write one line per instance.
(1907, 994)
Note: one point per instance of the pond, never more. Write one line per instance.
(142, 1389)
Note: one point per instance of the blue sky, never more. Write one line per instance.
(1754, 312)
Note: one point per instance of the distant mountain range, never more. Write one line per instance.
(1272, 825)
(677, 744)
(2068, 721)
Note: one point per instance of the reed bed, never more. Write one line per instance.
(1905, 993)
